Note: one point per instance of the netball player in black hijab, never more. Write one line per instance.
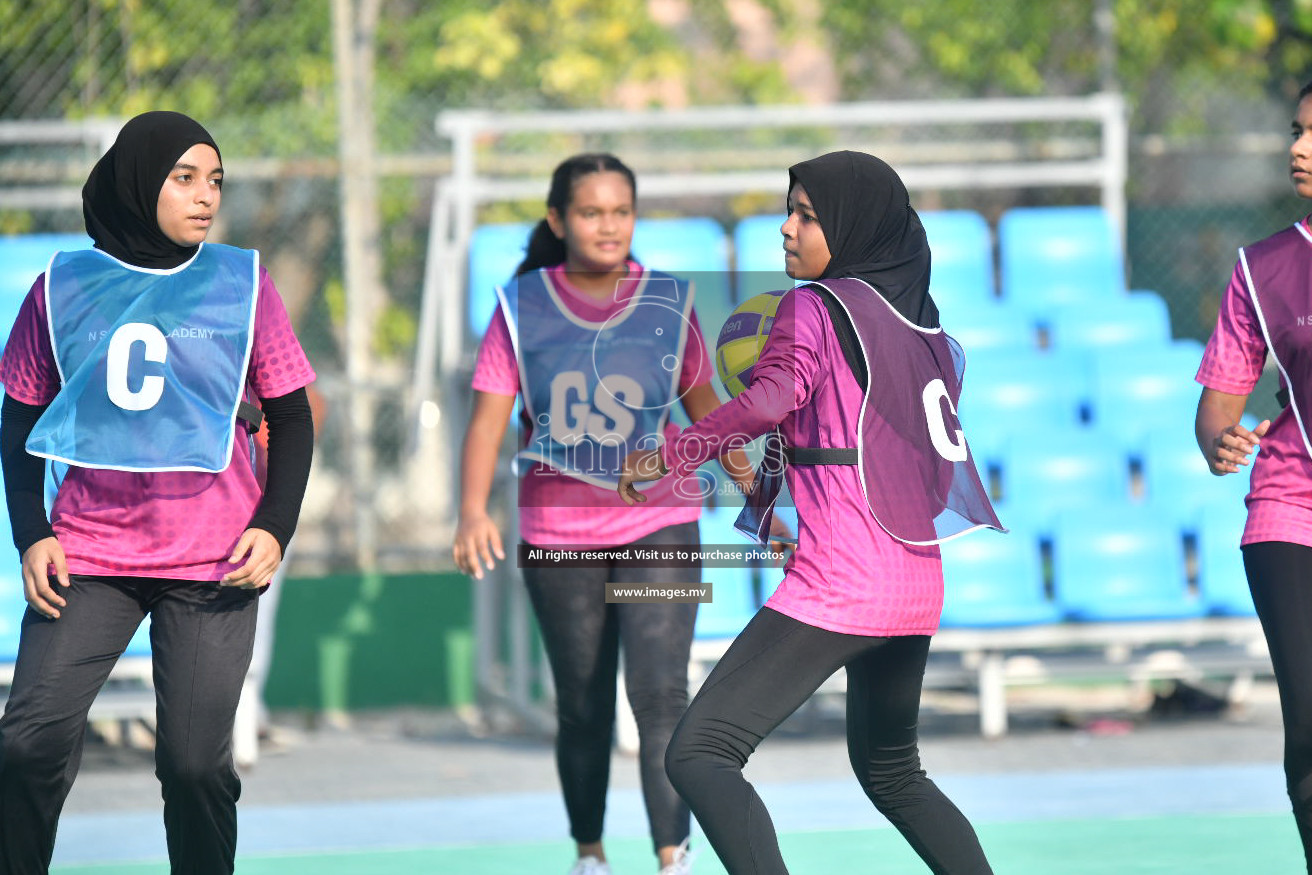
(162, 512)
(872, 230)
(120, 198)
(877, 481)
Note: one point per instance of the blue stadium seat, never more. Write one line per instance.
(1222, 583)
(770, 575)
(1011, 396)
(12, 606)
(12, 601)
(988, 326)
(140, 643)
(732, 605)
(1176, 477)
(1139, 320)
(1137, 392)
(1047, 472)
(759, 256)
(23, 258)
(1024, 388)
(1054, 256)
(695, 249)
(681, 245)
(962, 251)
(733, 589)
(994, 580)
(1120, 563)
(785, 510)
(494, 253)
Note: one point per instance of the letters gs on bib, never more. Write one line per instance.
(609, 414)
(605, 417)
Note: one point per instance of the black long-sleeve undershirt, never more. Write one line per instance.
(24, 474)
(291, 449)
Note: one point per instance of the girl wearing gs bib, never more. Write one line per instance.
(134, 364)
(861, 385)
(1265, 310)
(599, 348)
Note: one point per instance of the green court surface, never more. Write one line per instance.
(1197, 845)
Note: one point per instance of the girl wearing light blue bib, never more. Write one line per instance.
(129, 364)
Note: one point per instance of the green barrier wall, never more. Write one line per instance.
(346, 642)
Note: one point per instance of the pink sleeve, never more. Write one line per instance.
(781, 383)
(696, 359)
(1233, 359)
(278, 364)
(28, 369)
(497, 369)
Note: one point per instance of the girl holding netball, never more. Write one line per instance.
(861, 385)
(1263, 311)
(599, 348)
(132, 363)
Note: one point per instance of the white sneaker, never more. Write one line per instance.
(682, 864)
(590, 865)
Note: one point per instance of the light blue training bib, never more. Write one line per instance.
(152, 362)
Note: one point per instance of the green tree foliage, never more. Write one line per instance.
(1168, 54)
(260, 73)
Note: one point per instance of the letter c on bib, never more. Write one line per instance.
(116, 366)
(952, 450)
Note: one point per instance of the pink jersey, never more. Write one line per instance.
(847, 574)
(560, 510)
(1280, 491)
(177, 525)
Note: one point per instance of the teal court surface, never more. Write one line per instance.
(393, 796)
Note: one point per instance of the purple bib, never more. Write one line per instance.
(1279, 274)
(917, 472)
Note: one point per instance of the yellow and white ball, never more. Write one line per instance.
(743, 337)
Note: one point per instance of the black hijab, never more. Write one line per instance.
(872, 231)
(121, 196)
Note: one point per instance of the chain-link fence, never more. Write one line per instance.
(311, 100)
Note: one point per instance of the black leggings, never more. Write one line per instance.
(1280, 578)
(768, 672)
(200, 640)
(583, 635)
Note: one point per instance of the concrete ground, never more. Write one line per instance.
(402, 778)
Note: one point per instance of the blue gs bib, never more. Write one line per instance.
(594, 391)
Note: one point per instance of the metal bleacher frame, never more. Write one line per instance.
(985, 659)
(1140, 651)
